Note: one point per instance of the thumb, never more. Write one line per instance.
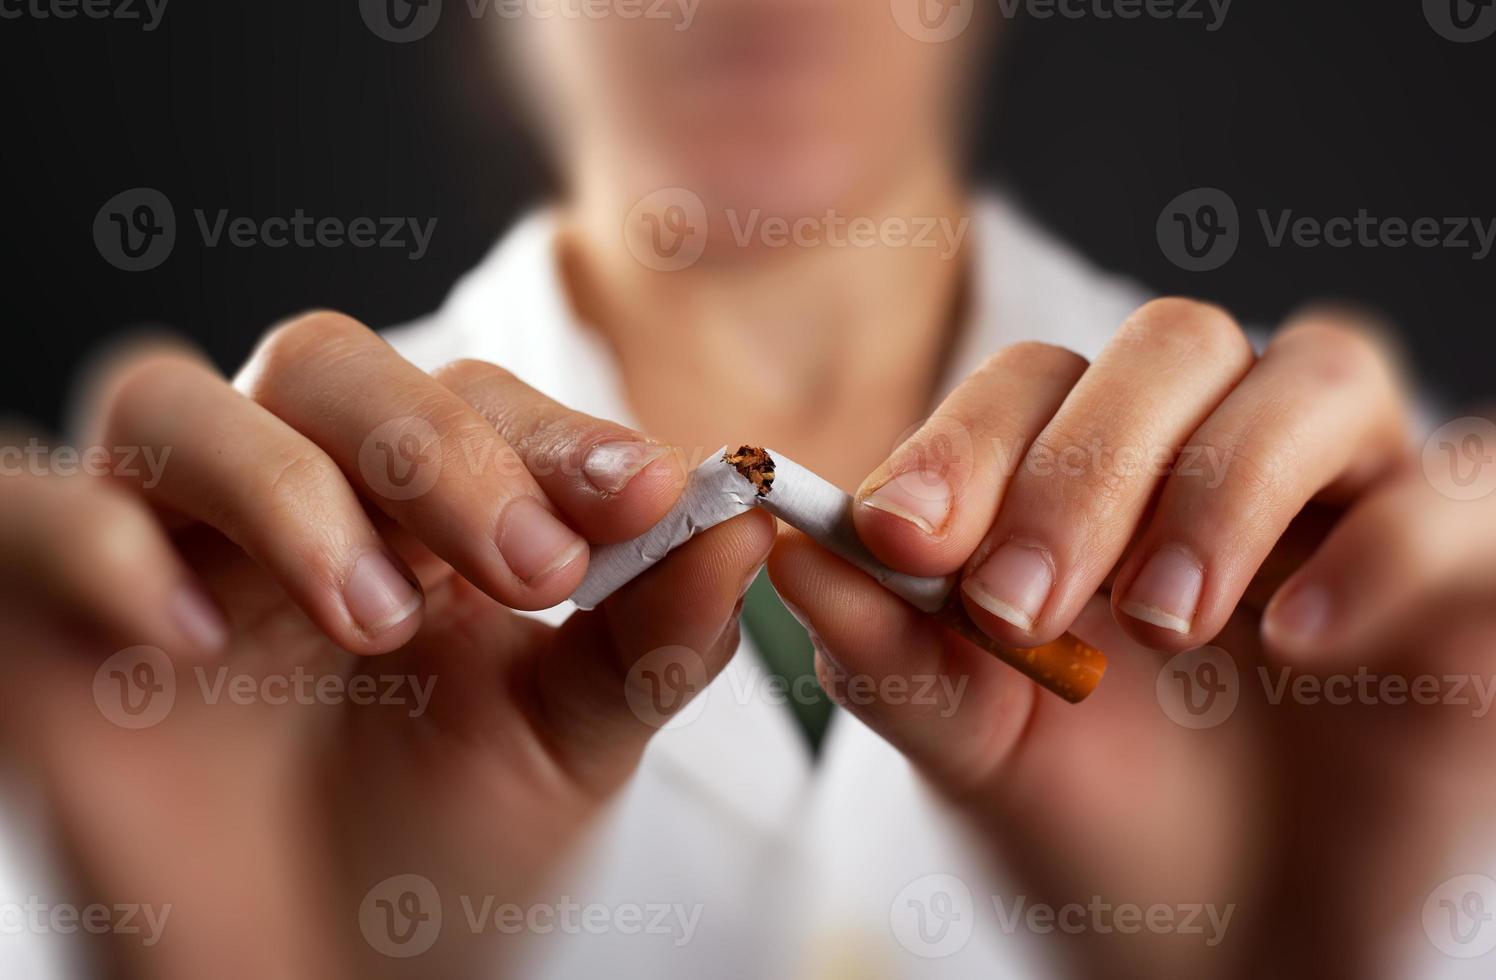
(947, 704)
(616, 675)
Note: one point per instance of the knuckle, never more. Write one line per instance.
(297, 482)
(468, 374)
(139, 387)
(1335, 352)
(310, 340)
(1037, 357)
(1079, 472)
(1189, 326)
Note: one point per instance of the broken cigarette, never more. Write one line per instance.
(733, 483)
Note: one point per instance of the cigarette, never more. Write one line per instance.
(733, 483)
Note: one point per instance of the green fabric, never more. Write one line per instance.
(786, 651)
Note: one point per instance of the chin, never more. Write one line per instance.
(805, 178)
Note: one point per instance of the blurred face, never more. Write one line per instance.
(790, 106)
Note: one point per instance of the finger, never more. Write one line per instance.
(1090, 475)
(1320, 411)
(948, 705)
(1400, 568)
(617, 674)
(610, 482)
(94, 556)
(421, 454)
(274, 494)
(925, 510)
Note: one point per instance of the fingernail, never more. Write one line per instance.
(1013, 584)
(1166, 592)
(612, 466)
(198, 618)
(922, 499)
(534, 543)
(1300, 617)
(377, 595)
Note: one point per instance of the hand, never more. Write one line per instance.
(346, 517)
(1178, 492)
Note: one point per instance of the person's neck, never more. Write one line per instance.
(825, 352)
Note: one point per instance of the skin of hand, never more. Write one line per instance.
(279, 540)
(1183, 491)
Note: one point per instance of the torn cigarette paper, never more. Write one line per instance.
(731, 484)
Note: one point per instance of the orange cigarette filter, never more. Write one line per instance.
(1069, 667)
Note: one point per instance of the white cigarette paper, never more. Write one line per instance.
(717, 492)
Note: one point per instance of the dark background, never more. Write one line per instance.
(264, 106)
